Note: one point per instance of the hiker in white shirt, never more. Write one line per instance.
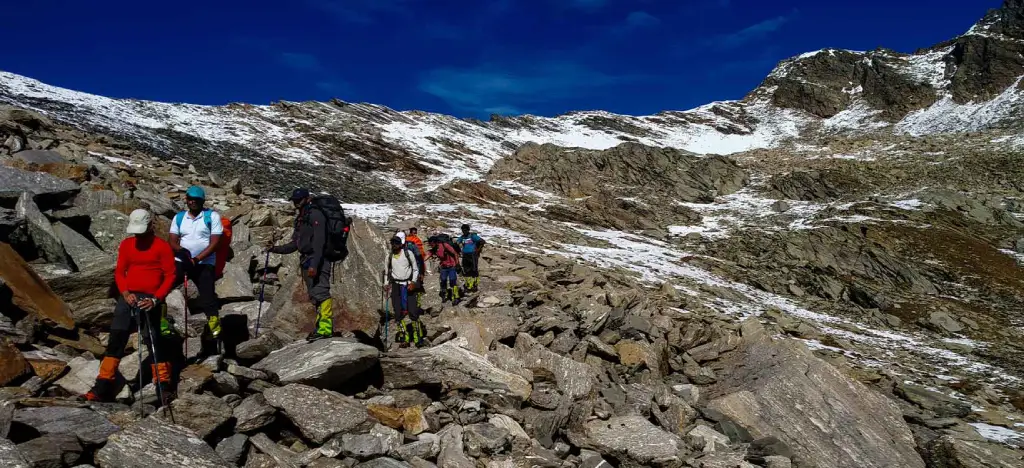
(195, 233)
(403, 274)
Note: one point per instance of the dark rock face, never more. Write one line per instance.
(824, 84)
(818, 186)
(627, 170)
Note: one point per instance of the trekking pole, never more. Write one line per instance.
(138, 350)
(156, 362)
(263, 285)
(185, 284)
(387, 319)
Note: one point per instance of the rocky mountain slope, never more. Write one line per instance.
(369, 152)
(842, 289)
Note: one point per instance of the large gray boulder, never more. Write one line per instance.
(634, 440)
(453, 454)
(356, 286)
(45, 238)
(841, 423)
(233, 448)
(89, 295)
(85, 255)
(109, 228)
(235, 285)
(574, 378)
(158, 204)
(90, 427)
(52, 450)
(153, 442)
(319, 414)
(203, 414)
(322, 363)
(253, 413)
(88, 203)
(10, 456)
(46, 190)
(944, 406)
(453, 367)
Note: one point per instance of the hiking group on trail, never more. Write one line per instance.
(149, 268)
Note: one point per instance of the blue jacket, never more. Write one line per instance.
(469, 243)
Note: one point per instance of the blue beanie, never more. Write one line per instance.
(196, 191)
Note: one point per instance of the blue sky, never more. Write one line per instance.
(470, 58)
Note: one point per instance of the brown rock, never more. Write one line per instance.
(12, 363)
(30, 292)
(410, 419)
(48, 369)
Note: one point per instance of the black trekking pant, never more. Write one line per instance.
(318, 287)
(470, 264)
(205, 280)
(125, 321)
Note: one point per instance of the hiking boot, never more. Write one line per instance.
(314, 336)
(101, 392)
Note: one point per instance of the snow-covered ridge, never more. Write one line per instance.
(456, 148)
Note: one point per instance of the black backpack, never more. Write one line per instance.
(447, 239)
(338, 227)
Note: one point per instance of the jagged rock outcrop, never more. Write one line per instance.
(840, 423)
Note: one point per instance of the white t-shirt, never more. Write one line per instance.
(195, 237)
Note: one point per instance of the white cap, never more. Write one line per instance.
(400, 235)
(138, 221)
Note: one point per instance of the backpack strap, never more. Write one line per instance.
(178, 218)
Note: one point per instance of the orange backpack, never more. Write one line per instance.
(223, 248)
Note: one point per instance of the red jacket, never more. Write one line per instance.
(149, 271)
(447, 254)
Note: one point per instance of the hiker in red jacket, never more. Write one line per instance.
(442, 249)
(144, 275)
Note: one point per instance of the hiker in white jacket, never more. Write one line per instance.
(403, 274)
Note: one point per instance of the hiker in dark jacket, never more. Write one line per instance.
(310, 239)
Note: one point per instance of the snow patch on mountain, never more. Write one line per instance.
(948, 116)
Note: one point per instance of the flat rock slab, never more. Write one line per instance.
(203, 414)
(31, 293)
(46, 188)
(322, 363)
(841, 423)
(152, 443)
(52, 450)
(40, 157)
(633, 438)
(574, 378)
(92, 428)
(253, 413)
(319, 414)
(454, 367)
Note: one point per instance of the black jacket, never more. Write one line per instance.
(309, 237)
